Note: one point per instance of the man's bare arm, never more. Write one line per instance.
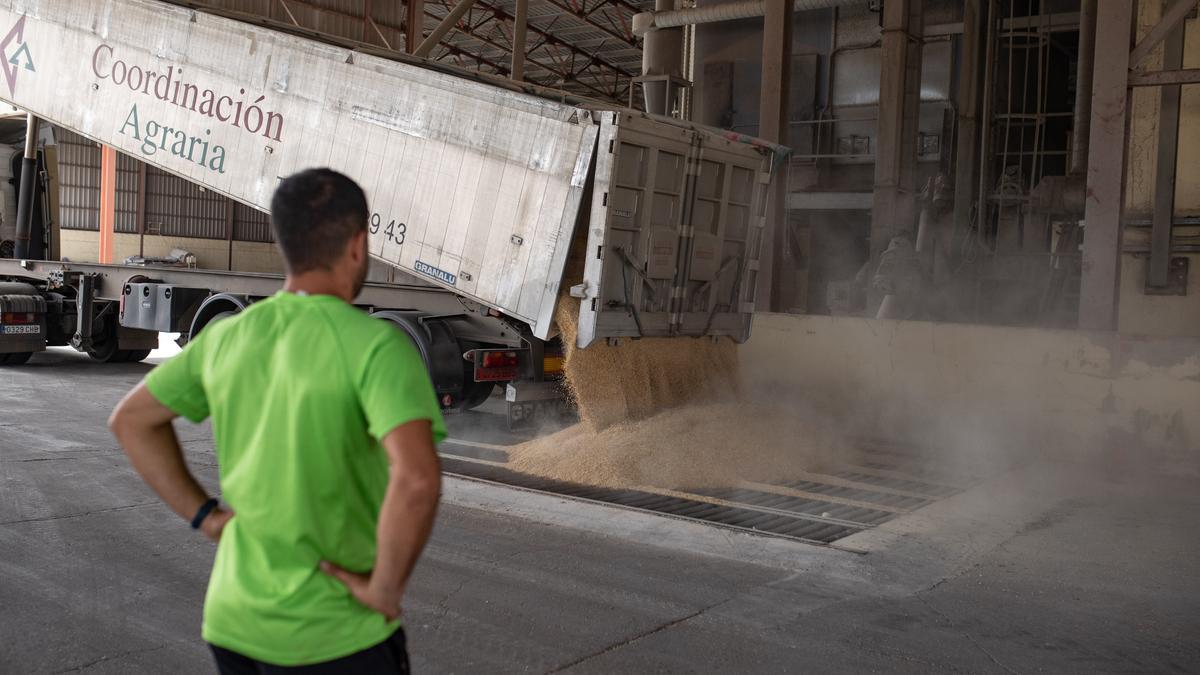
(142, 425)
(405, 519)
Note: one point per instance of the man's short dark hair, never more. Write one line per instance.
(313, 214)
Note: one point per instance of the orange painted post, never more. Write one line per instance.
(108, 201)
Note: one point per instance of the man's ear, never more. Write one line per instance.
(357, 246)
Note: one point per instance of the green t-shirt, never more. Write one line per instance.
(300, 390)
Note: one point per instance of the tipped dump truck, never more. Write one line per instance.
(509, 198)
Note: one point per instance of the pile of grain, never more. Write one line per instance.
(640, 378)
(701, 445)
(666, 412)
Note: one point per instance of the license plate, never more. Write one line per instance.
(30, 329)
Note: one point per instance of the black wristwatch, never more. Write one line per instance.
(205, 509)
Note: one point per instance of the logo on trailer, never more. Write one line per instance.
(429, 270)
(13, 58)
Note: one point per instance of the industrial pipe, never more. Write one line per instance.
(662, 55)
(25, 195)
(1081, 124)
(744, 9)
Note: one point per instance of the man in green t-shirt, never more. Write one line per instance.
(311, 400)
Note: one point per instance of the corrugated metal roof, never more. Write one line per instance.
(564, 35)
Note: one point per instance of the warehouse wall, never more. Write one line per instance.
(1054, 390)
(1151, 314)
(84, 246)
(178, 214)
(173, 206)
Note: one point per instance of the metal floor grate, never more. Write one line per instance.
(859, 516)
(908, 485)
(900, 501)
(795, 526)
(820, 509)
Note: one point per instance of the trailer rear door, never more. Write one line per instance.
(675, 232)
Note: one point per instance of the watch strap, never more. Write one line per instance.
(205, 509)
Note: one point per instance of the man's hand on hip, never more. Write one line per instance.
(405, 519)
(214, 523)
(384, 601)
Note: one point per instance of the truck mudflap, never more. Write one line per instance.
(676, 231)
(530, 405)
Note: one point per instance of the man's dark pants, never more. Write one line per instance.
(389, 656)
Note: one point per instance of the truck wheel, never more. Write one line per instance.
(216, 308)
(14, 359)
(105, 350)
(135, 355)
(221, 315)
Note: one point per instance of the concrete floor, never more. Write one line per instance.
(1051, 567)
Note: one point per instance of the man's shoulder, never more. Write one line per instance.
(365, 334)
(356, 320)
(358, 333)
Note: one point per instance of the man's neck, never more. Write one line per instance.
(319, 282)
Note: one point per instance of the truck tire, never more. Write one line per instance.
(221, 315)
(105, 350)
(442, 354)
(215, 308)
(136, 355)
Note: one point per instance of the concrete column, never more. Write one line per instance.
(1082, 123)
(1106, 167)
(773, 126)
(108, 202)
(893, 210)
(967, 160)
(1164, 178)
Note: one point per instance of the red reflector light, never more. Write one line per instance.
(499, 360)
(18, 318)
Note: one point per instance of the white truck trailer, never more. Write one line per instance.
(504, 196)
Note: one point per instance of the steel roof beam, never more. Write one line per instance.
(562, 75)
(1170, 20)
(583, 14)
(549, 38)
(443, 27)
